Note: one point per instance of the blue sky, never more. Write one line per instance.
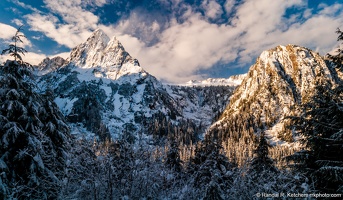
(175, 40)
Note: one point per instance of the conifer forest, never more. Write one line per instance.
(278, 134)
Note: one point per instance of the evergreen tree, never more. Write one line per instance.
(173, 160)
(262, 162)
(213, 191)
(83, 172)
(338, 58)
(211, 170)
(321, 127)
(13, 49)
(33, 135)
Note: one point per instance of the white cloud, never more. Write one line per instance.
(26, 6)
(17, 22)
(98, 3)
(34, 58)
(7, 32)
(213, 9)
(36, 37)
(185, 47)
(140, 25)
(72, 13)
(270, 28)
(64, 55)
(229, 5)
(65, 34)
(76, 25)
(196, 44)
(155, 27)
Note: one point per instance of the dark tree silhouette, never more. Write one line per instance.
(34, 136)
(338, 58)
(173, 160)
(13, 49)
(321, 126)
(262, 162)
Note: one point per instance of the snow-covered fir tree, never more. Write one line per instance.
(210, 169)
(158, 151)
(14, 49)
(321, 128)
(173, 160)
(262, 162)
(337, 57)
(34, 137)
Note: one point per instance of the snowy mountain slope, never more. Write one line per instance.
(204, 101)
(203, 104)
(101, 85)
(102, 89)
(281, 79)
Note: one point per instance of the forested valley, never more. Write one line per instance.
(41, 158)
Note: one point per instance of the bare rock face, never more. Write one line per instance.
(49, 65)
(107, 57)
(102, 89)
(281, 79)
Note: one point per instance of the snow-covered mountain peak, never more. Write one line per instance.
(50, 64)
(299, 68)
(114, 43)
(101, 85)
(104, 57)
(281, 79)
(98, 37)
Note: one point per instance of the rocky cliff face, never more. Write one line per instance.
(202, 104)
(106, 57)
(281, 79)
(49, 65)
(102, 90)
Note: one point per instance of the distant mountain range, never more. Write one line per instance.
(101, 88)
(234, 80)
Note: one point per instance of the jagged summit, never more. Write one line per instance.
(281, 79)
(107, 57)
(292, 70)
(47, 65)
(99, 35)
(104, 88)
(89, 49)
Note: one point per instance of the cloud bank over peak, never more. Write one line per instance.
(176, 40)
(68, 23)
(197, 44)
